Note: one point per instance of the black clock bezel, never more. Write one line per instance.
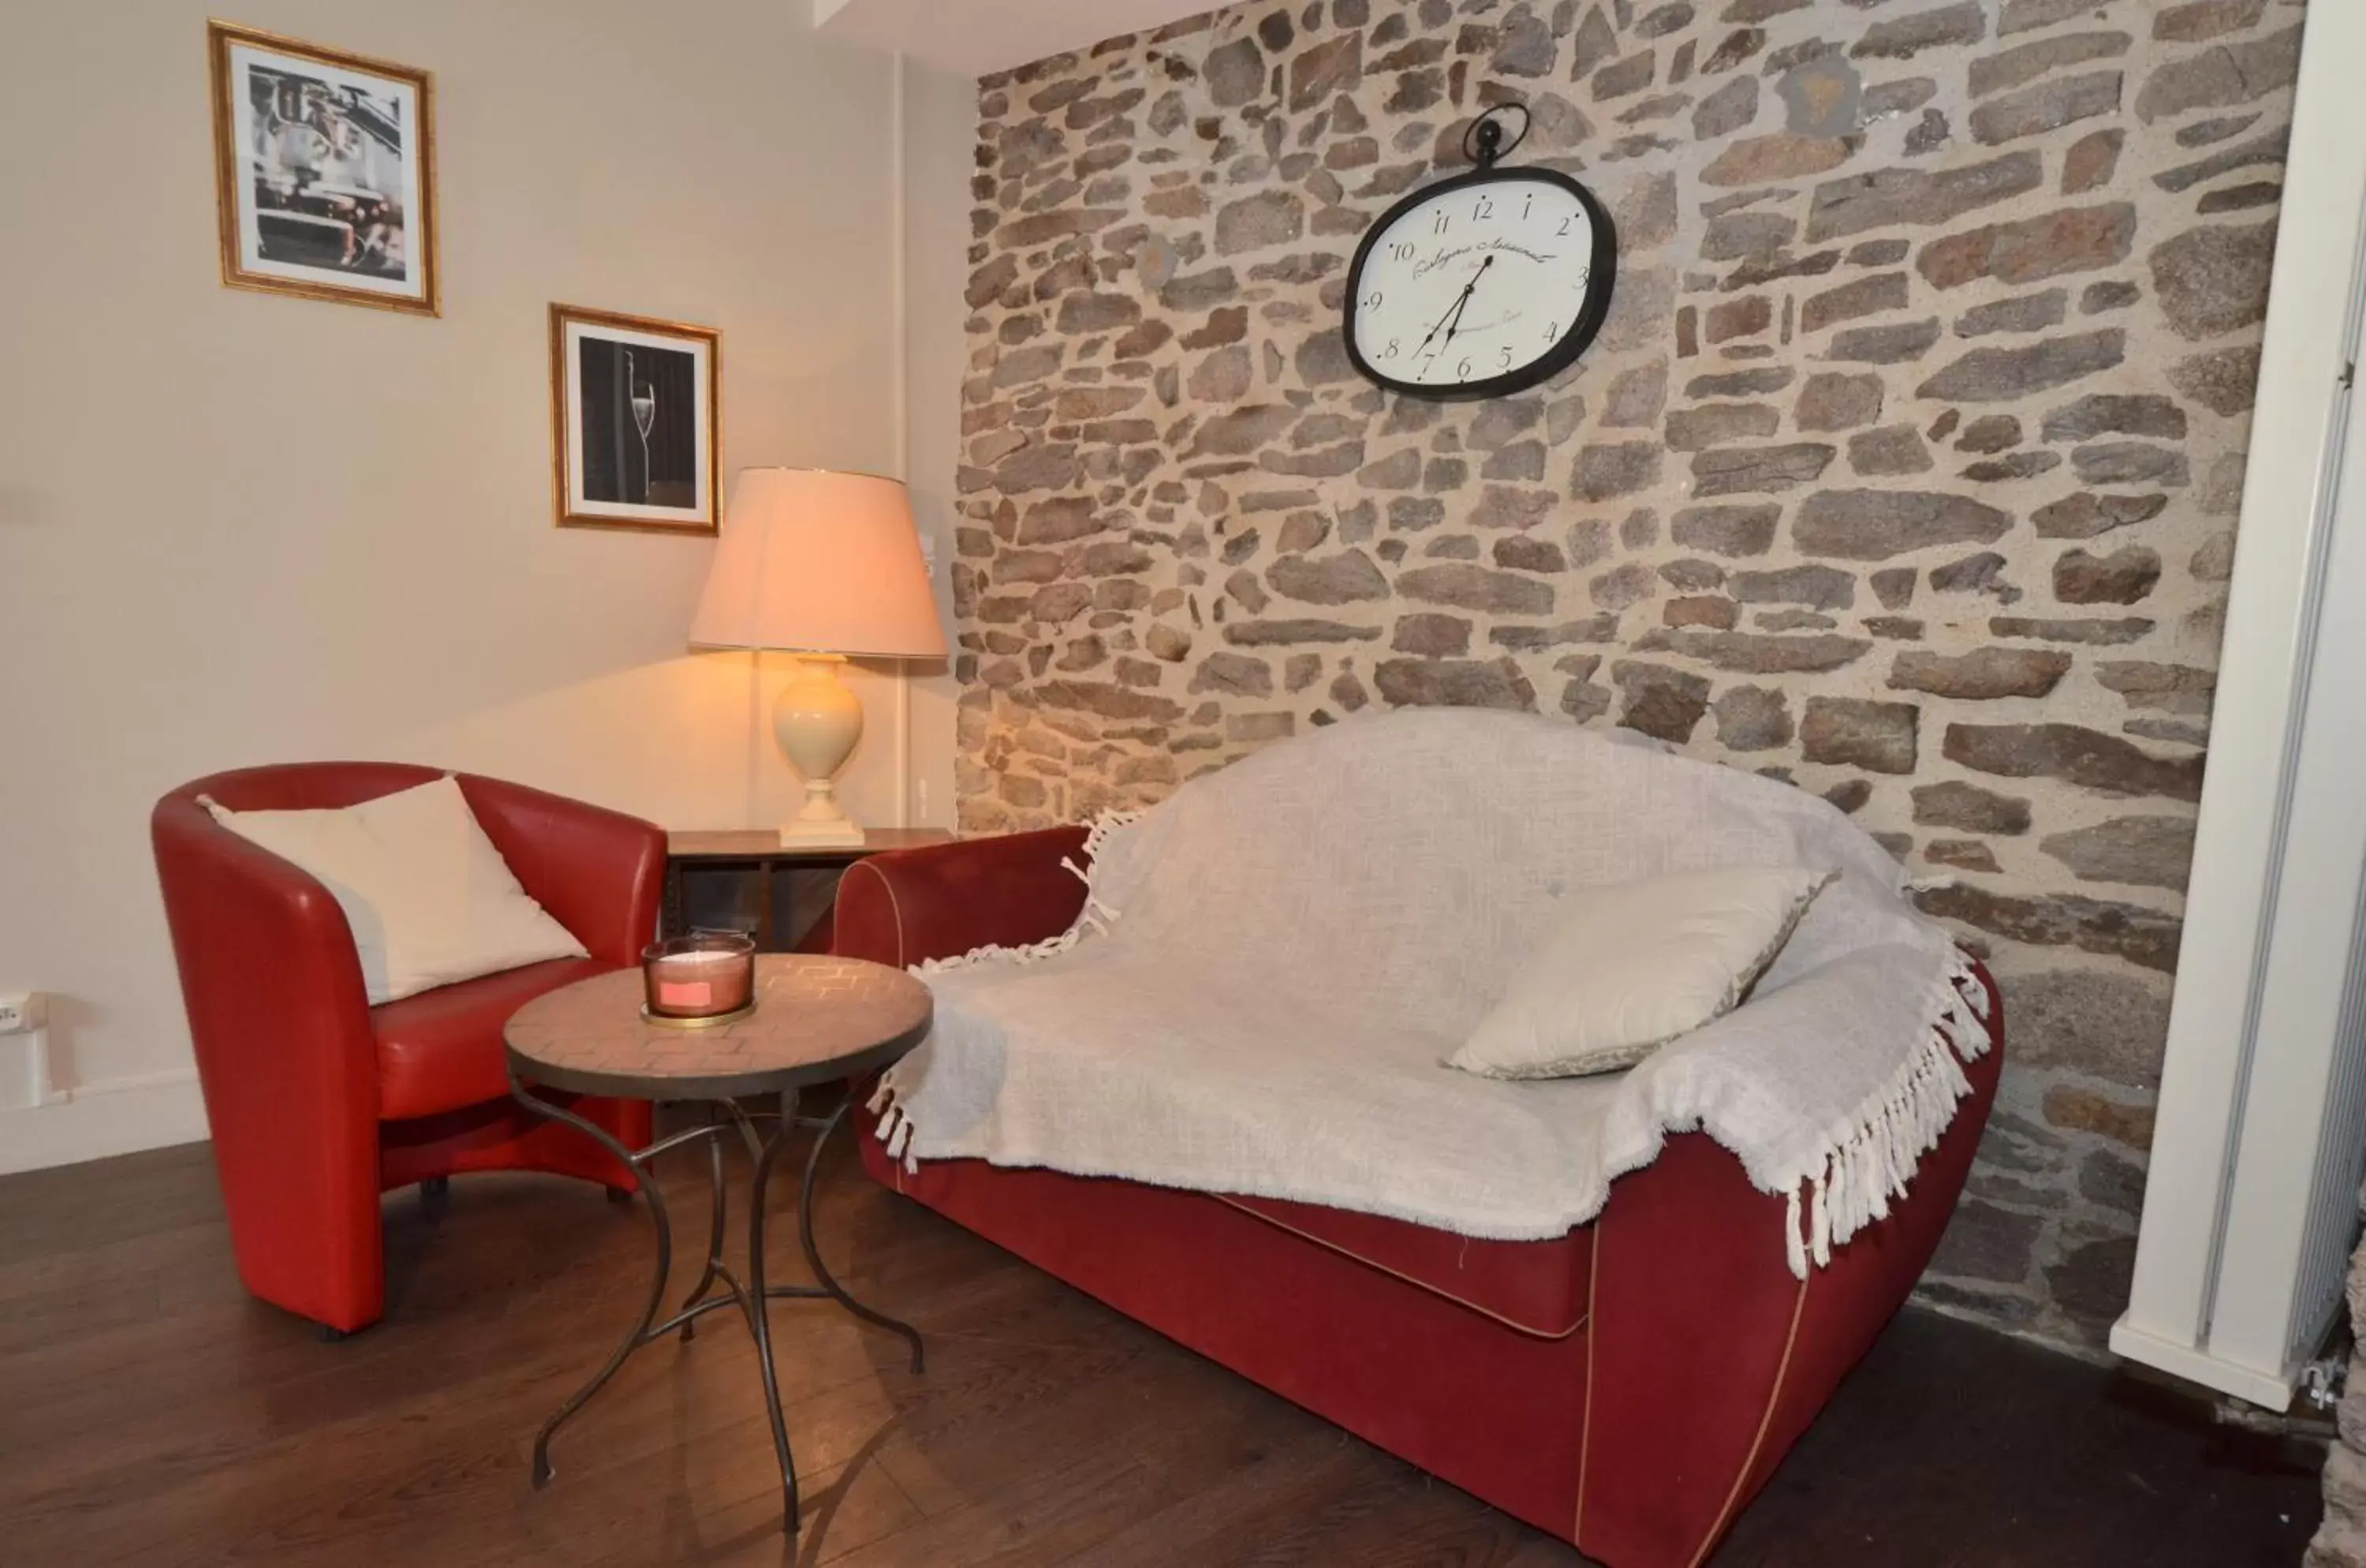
(1604, 272)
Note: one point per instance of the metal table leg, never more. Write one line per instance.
(760, 1321)
(715, 1219)
(752, 1298)
(639, 1334)
(813, 1253)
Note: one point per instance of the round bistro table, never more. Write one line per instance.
(817, 1021)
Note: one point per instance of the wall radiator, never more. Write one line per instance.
(2252, 1203)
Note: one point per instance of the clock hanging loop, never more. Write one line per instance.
(1483, 139)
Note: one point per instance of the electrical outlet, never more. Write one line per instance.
(21, 1011)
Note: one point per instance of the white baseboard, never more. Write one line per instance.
(119, 1116)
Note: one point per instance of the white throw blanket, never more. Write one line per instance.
(1272, 963)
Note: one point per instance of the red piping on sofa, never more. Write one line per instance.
(1639, 1436)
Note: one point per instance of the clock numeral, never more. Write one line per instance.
(1553, 332)
(1463, 370)
(1402, 250)
(1389, 352)
(1564, 226)
(1443, 223)
(1527, 206)
(1507, 359)
(1373, 300)
(1486, 208)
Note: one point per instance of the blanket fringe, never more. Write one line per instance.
(895, 1128)
(1096, 920)
(1863, 1165)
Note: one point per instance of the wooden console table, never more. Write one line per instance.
(744, 879)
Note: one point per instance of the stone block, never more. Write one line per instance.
(2024, 64)
(1607, 472)
(1832, 400)
(2219, 77)
(1748, 470)
(2105, 1023)
(2078, 1110)
(2123, 577)
(1985, 1242)
(1877, 737)
(2049, 106)
(2213, 280)
(1746, 529)
(1999, 374)
(2145, 851)
(1752, 719)
(2087, 758)
(1894, 198)
(1660, 702)
(2141, 936)
(1870, 524)
(1454, 682)
(1432, 636)
(1983, 675)
(2070, 241)
(1894, 449)
(1467, 587)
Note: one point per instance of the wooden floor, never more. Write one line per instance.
(151, 1413)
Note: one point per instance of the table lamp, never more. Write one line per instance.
(822, 565)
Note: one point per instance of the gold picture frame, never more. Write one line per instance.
(325, 172)
(625, 384)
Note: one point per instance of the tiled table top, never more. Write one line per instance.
(817, 1020)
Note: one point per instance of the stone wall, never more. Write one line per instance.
(1907, 467)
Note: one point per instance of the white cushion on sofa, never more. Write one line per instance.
(430, 899)
(1629, 968)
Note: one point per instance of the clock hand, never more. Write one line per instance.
(1464, 303)
(1454, 311)
(1442, 321)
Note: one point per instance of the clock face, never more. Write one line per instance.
(1481, 285)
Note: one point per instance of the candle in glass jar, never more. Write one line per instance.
(700, 983)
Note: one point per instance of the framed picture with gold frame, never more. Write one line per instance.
(636, 408)
(324, 170)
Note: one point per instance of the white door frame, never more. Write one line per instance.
(2265, 957)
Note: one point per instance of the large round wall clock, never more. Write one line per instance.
(1483, 284)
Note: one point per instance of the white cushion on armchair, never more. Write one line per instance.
(429, 898)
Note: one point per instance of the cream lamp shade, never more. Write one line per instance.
(824, 565)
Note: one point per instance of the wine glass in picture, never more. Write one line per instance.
(645, 418)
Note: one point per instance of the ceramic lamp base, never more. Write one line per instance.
(818, 721)
(842, 834)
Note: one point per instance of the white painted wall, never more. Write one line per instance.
(237, 528)
(941, 126)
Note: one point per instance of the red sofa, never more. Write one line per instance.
(319, 1102)
(1626, 1387)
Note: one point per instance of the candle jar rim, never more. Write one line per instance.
(737, 943)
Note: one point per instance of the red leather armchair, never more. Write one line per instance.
(320, 1102)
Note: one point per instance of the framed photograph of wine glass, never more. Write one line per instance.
(635, 417)
(325, 172)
